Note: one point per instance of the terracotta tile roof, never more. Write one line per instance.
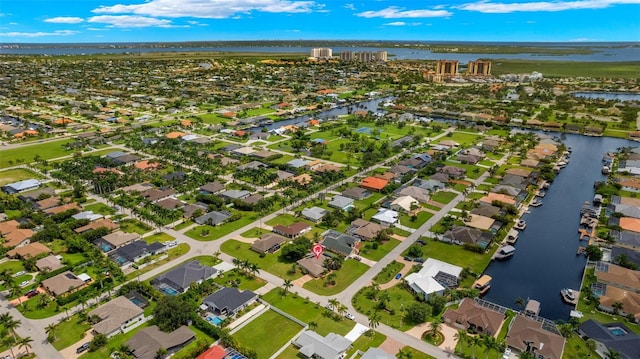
(15, 238)
(630, 224)
(8, 226)
(175, 134)
(490, 197)
(374, 183)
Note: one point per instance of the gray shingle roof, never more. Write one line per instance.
(229, 300)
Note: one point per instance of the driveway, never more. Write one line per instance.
(407, 267)
(70, 351)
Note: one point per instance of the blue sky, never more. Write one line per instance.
(45, 21)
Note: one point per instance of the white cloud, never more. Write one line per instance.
(350, 6)
(539, 6)
(402, 23)
(129, 21)
(394, 12)
(39, 33)
(96, 29)
(65, 20)
(214, 9)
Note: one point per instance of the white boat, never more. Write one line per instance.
(521, 225)
(483, 284)
(605, 170)
(568, 295)
(512, 236)
(536, 203)
(504, 252)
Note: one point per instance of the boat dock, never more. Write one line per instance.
(585, 233)
(574, 301)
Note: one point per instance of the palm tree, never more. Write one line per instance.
(461, 336)
(383, 299)
(591, 345)
(334, 303)
(436, 325)
(474, 342)
(161, 353)
(612, 354)
(313, 325)
(50, 331)
(10, 324)
(520, 302)
(25, 343)
(490, 343)
(286, 285)
(617, 307)
(374, 320)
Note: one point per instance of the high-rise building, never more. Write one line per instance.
(347, 56)
(363, 56)
(447, 68)
(381, 56)
(479, 68)
(321, 53)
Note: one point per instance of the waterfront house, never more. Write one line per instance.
(527, 334)
(503, 198)
(610, 337)
(461, 235)
(115, 316)
(433, 278)
(474, 318)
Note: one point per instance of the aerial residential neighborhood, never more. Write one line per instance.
(230, 207)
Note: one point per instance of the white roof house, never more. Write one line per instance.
(87, 215)
(386, 217)
(21, 186)
(434, 277)
(404, 203)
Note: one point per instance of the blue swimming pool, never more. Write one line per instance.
(105, 247)
(617, 331)
(170, 291)
(213, 320)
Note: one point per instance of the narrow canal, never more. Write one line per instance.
(545, 260)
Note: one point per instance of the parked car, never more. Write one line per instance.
(82, 348)
(25, 283)
(32, 293)
(357, 258)
(421, 242)
(418, 260)
(20, 273)
(350, 316)
(398, 275)
(410, 259)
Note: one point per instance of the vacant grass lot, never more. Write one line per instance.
(220, 231)
(628, 70)
(456, 255)
(443, 197)
(260, 335)
(15, 175)
(131, 225)
(100, 208)
(271, 263)
(350, 271)
(421, 217)
(46, 151)
(383, 249)
(308, 311)
(400, 299)
(242, 281)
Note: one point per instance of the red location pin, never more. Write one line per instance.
(317, 249)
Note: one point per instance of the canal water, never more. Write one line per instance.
(545, 260)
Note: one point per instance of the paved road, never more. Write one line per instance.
(198, 248)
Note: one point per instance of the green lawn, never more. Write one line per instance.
(100, 208)
(421, 217)
(443, 197)
(158, 237)
(26, 153)
(222, 230)
(456, 255)
(241, 280)
(285, 220)
(350, 271)
(290, 353)
(131, 225)
(383, 249)
(369, 201)
(365, 342)
(12, 265)
(464, 139)
(308, 311)
(69, 332)
(400, 298)
(16, 174)
(271, 263)
(415, 354)
(389, 272)
(260, 335)
(183, 225)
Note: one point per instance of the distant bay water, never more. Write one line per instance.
(601, 52)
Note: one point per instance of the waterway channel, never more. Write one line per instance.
(545, 260)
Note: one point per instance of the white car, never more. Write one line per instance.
(350, 316)
(25, 283)
(19, 273)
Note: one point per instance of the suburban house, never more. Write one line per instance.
(386, 217)
(179, 279)
(405, 204)
(117, 239)
(452, 171)
(30, 250)
(312, 265)
(314, 214)
(612, 337)
(105, 222)
(229, 301)
(212, 188)
(190, 210)
(64, 282)
(21, 186)
(115, 316)
(147, 341)
(340, 243)
(49, 262)
(474, 318)
(617, 285)
(527, 334)
(419, 194)
(293, 230)
(374, 183)
(269, 243)
(155, 194)
(135, 251)
(376, 353)
(313, 345)
(434, 278)
(461, 235)
(364, 230)
(233, 194)
(356, 193)
(17, 238)
(213, 218)
(341, 203)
